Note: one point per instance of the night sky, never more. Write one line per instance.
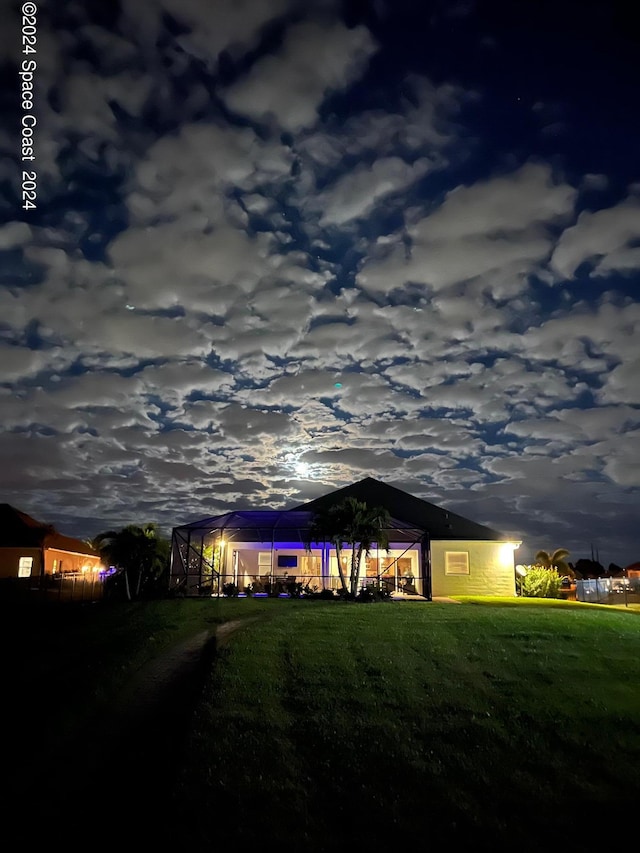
(281, 246)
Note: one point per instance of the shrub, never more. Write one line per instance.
(373, 593)
(294, 588)
(324, 594)
(541, 583)
(230, 590)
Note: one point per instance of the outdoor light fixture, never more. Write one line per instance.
(521, 572)
(506, 552)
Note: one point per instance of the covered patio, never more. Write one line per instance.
(268, 552)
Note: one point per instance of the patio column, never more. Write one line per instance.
(425, 566)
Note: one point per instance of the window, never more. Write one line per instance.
(25, 564)
(404, 566)
(310, 566)
(456, 562)
(388, 566)
(371, 566)
(264, 561)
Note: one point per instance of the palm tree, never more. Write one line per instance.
(365, 527)
(555, 560)
(138, 553)
(327, 525)
(353, 523)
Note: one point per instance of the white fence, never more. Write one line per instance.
(609, 590)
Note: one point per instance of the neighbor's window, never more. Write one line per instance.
(25, 564)
(456, 562)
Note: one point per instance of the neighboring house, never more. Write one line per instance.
(32, 549)
(632, 570)
(432, 552)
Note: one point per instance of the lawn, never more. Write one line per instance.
(327, 726)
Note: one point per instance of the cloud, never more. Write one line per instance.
(622, 463)
(603, 235)
(14, 234)
(182, 264)
(175, 381)
(241, 290)
(422, 121)
(506, 203)
(233, 24)
(607, 333)
(21, 362)
(317, 58)
(358, 192)
(494, 225)
(193, 169)
(622, 384)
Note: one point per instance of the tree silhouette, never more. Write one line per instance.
(139, 554)
(555, 560)
(353, 524)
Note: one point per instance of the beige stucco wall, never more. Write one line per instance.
(71, 562)
(10, 559)
(491, 569)
(68, 561)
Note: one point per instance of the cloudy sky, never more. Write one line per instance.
(280, 246)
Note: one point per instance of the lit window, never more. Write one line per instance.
(55, 567)
(264, 561)
(25, 564)
(456, 562)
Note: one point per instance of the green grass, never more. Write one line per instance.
(327, 726)
(510, 601)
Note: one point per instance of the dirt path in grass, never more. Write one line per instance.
(115, 783)
(172, 676)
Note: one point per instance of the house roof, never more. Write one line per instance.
(410, 518)
(19, 530)
(438, 523)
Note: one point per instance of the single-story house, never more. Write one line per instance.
(632, 570)
(33, 549)
(431, 552)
